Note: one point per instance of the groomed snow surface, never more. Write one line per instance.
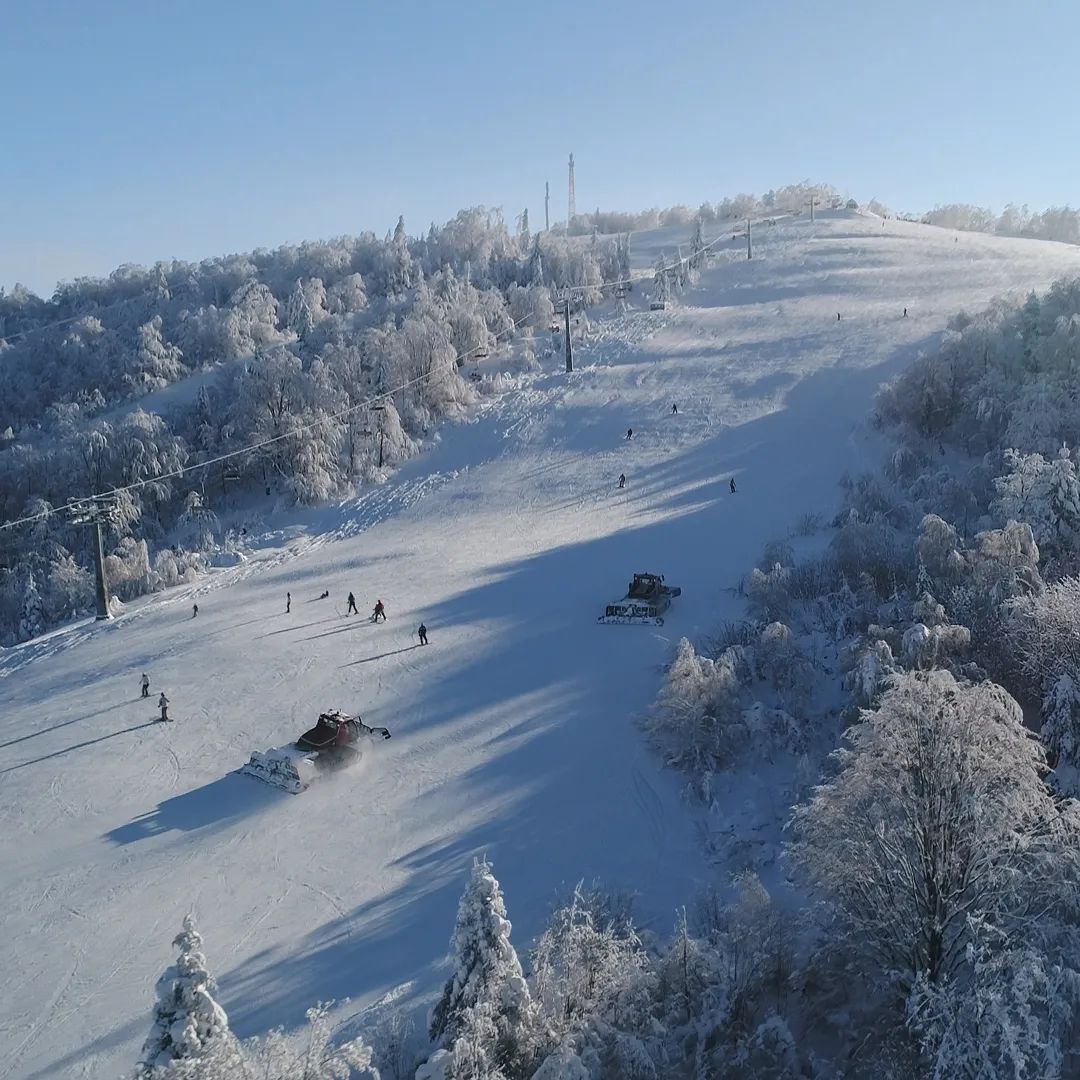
(513, 731)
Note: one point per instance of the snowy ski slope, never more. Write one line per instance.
(514, 730)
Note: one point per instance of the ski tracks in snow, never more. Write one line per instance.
(651, 806)
(42, 1021)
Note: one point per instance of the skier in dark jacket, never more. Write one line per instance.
(422, 631)
(194, 610)
(288, 602)
(353, 609)
(379, 610)
(629, 432)
(674, 408)
(733, 485)
(622, 480)
(163, 705)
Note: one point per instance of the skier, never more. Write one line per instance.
(352, 609)
(905, 313)
(733, 485)
(324, 594)
(622, 480)
(674, 408)
(379, 610)
(288, 602)
(194, 610)
(629, 432)
(145, 685)
(163, 705)
(422, 631)
(838, 316)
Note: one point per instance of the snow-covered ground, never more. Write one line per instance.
(514, 730)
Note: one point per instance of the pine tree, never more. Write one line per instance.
(298, 315)
(1061, 721)
(1065, 496)
(32, 622)
(660, 280)
(486, 970)
(187, 1019)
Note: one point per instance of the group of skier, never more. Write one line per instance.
(163, 701)
(675, 412)
(379, 612)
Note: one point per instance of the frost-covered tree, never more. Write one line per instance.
(298, 314)
(198, 523)
(32, 619)
(156, 363)
(277, 1056)
(1011, 1016)
(868, 677)
(187, 1019)
(1044, 494)
(1044, 634)
(1060, 732)
(692, 720)
(938, 547)
(347, 296)
(585, 968)
(938, 819)
(661, 290)
(314, 1057)
(486, 973)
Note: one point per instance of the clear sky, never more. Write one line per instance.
(134, 131)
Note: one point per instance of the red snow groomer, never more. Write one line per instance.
(335, 741)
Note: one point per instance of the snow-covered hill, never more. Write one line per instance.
(514, 730)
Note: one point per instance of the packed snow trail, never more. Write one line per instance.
(513, 731)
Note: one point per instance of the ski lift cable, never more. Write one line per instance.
(173, 474)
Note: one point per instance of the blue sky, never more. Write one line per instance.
(134, 131)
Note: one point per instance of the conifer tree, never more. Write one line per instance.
(32, 622)
(187, 1019)
(486, 970)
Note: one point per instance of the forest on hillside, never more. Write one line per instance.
(909, 674)
(113, 382)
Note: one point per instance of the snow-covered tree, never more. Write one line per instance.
(347, 296)
(187, 1019)
(695, 710)
(1060, 731)
(939, 550)
(156, 363)
(874, 663)
(1044, 634)
(315, 1056)
(1011, 1015)
(564, 1063)
(198, 523)
(1044, 494)
(32, 619)
(585, 968)
(938, 818)
(298, 314)
(486, 973)
(661, 289)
